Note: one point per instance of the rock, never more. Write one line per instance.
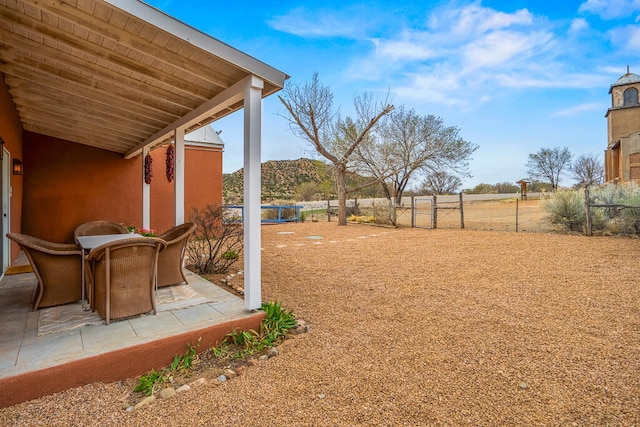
(230, 374)
(322, 396)
(252, 362)
(523, 385)
(129, 408)
(166, 393)
(198, 382)
(272, 352)
(221, 378)
(223, 280)
(241, 370)
(182, 388)
(263, 357)
(146, 401)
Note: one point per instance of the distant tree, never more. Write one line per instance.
(588, 170)
(307, 191)
(441, 182)
(312, 117)
(482, 188)
(405, 144)
(506, 187)
(549, 164)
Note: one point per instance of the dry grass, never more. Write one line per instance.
(420, 327)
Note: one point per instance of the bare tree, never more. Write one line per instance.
(548, 164)
(406, 144)
(312, 118)
(441, 182)
(588, 170)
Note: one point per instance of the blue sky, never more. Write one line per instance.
(514, 76)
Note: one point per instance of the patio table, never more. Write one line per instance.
(89, 242)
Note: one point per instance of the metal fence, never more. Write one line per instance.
(500, 212)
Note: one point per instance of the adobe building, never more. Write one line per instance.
(622, 156)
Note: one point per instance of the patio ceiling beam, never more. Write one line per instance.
(125, 37)
(216, 104)
(79, 44)
(81, 74)
(201, 40)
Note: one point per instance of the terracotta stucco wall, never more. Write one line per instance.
(203, 184)
(623, 122)
(67, 184)
(11, 133)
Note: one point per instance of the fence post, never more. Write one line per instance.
(434, 212)
(587, 204)
(461, 212)
(516, 214)
(413, 211)
(328, 210)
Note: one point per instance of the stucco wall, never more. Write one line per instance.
(622, 122)
(11, 133)
(66, 184)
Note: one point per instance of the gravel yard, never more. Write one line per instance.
(419, 327)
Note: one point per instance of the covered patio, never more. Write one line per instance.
(122, 78)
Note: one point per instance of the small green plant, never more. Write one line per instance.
(230, 255)
(303, 216)
(276, 324)
(147, 383)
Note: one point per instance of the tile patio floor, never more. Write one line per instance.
(22, 351)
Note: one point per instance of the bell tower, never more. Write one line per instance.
(622, 156)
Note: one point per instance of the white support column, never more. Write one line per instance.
(179, 176)
(146, 195)
(252, 199)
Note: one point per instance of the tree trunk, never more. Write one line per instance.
(341, 172)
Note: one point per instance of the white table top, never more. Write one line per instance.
(90, 242)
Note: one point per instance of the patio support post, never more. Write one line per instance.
(252, 193)
(179, 176)
(146, 195)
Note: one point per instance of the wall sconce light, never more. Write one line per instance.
(17, 167)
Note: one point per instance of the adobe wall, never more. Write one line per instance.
(11, 133)
(66, 184)
(622, 122)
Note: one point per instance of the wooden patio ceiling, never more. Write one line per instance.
(113, 74)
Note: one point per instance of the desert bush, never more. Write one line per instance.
(384, 213)
(625, 220)
(217, 241)
(286, 213)
(566, 208)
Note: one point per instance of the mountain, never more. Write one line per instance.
(280, 178)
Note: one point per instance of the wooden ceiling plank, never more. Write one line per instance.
(136, 93)
(21, 77)
(116, 59)
(131, 37)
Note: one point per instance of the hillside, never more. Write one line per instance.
(280, 178)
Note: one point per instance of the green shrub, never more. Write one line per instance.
(567, 208)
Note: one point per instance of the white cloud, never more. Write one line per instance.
(578, 26)
(627, 37)
(319, 23)
(579, 109)
(610, 9)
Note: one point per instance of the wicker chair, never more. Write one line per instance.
(123, 277)
(170, 259)
(95, 228)
(57, 267)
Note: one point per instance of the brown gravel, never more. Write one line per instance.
(420, 327)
